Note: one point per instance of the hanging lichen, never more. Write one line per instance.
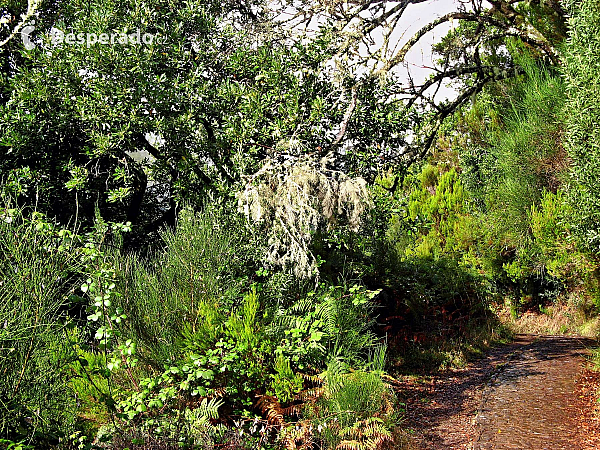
(294, 199)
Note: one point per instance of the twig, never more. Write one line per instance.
(32, 6)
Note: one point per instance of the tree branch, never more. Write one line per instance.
(32, 6)
(347, 117)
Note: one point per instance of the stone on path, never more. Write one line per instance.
(531, 402)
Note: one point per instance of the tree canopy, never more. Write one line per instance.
(224, 85)
(210, 98)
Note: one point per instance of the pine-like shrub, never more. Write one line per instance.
(36, 262)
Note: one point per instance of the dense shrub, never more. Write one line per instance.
(185, 288)
(512, 160)
(582, 77)
(36, 263)
(200, 334)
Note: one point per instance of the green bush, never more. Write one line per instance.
(200, 327)
(512, 157)
(355, 410)
(582, 76)
(552, 232)
(182, 294)
(333, 320)
(522, 154)
(436, 208)
(37, 261)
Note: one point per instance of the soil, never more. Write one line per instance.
(535, 393)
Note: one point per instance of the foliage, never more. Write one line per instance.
(372, 38)
(354, 411)
(436, 205)
(513, 155)
(261, 314)
(137, 129)
(177, 294)
(331, 321)
(581, 78)
(224, 349)
(285, 382)
(552, 232)
(37, 263)
(487, 209)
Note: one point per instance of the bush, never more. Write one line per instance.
(582, 75)
(331, 321)
(36, 263)
(196, 334)
(512, 158)
(355, 410)
(185, 289)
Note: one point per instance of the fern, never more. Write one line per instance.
(245, 328)
(271, 408)
(206, 410)
(345, 409)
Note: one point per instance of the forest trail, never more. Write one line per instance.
(534, 393)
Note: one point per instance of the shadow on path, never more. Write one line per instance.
(532, 403)
(519, 396)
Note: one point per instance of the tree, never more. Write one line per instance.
(471, 56)
(8, 17)
(205, 100)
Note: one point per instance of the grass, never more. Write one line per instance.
(567, 316)
(452, 352)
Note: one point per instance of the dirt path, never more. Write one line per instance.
(532, 394)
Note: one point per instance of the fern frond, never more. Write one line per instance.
(303, 306)
(317, 379)
(351, 445)
(330, 314)
(369, 433)
(310, 394)
(219, 392)
(292, 410)
(271, 407)
(209, 409)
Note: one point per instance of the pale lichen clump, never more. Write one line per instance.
(294, 199)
